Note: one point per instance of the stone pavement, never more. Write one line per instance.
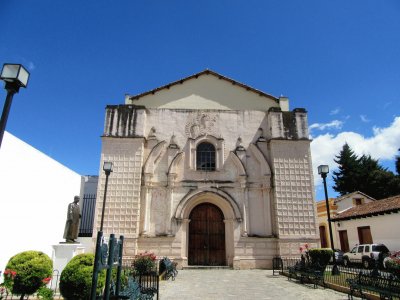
(240, 284)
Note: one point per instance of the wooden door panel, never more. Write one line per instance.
(344, 240)
(322, 235)
(364, 235)
(206, 236)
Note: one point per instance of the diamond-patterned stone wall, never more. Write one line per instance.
(293, 181)
(123, 194)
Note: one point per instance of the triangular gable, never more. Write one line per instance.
(205, 90)
(351, 195)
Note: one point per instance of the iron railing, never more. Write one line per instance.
(88, 210)
(337, 282)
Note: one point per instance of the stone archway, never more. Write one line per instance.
(206, 236)
(231, 217)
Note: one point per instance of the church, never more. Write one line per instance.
(209, 172)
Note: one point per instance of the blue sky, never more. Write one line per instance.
(338, 59)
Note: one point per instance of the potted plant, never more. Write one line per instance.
(144, 263)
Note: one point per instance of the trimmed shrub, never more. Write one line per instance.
(27, 271)
(44, 293)
(320, 255)
(76, 278)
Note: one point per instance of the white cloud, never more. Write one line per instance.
(31, 66)
(386, 105)
(383, 145)
(364, 118)
(335, 124)
(335, 111)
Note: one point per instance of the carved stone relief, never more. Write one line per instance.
(201, 123)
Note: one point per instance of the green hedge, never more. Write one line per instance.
(31, 268)
(320, 255)
(76, 278)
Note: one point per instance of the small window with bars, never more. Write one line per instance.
(205, 157)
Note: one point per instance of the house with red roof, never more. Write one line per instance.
(372, 222)
(337, 206)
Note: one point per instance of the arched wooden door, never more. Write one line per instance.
(207, 236)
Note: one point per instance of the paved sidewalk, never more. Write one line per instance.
(240, 284)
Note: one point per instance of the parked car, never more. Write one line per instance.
(393, 255)
(367, 254)
(338, 256)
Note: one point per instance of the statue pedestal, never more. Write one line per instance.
(63, 253)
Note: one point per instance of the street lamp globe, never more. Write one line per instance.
(15, 75)
(323, 170)
(108, 167)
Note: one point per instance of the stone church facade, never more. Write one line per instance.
(208, 171)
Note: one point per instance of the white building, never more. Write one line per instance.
(208, 171)
(35, 191)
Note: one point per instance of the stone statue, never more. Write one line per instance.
(72, 224)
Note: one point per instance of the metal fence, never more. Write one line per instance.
(337, 282)
(345, 272)
(88, 210)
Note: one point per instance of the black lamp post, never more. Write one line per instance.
(323, 170)
(107, 168)
(15, 76)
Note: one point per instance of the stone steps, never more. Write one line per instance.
(206, 268)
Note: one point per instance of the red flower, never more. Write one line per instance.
(46, 280)
(8, 273)
(301, 249)
(147, 255)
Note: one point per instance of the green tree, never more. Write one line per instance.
(346, 178)
(364, 174)
(371, 176)
(375, 180)
(398, 164)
